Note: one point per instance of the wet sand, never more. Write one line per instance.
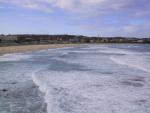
(30, 48)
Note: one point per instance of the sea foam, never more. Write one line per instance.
(14, 57)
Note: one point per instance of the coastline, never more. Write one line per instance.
(51, 81)
(32, 48)
(24, 94)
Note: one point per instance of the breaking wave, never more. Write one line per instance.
(133, 60)
(14, 57)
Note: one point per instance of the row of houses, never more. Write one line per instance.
(52, 39)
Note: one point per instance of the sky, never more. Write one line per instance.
(130, 18)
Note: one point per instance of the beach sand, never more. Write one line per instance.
(21, 95)
(30, 48)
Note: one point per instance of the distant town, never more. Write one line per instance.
(6, 40)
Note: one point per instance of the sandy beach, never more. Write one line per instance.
(30, 48)
(17, 94)
(84, 79)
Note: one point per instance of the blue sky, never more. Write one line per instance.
(80, 17)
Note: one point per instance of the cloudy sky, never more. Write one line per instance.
(80, 17)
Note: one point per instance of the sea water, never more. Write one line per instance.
(113, 78)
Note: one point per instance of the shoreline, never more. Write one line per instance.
(32, 48)
(21, 89)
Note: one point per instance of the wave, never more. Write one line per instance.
(44, 89)
(63, 90)
(138, 61)
(83, 92)
(86, 91)
(14, 57)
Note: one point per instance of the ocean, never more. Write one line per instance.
(105, 78)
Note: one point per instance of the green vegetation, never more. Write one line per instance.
(6, 40)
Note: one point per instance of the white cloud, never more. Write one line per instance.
(123, 12)
(29, 4)
(76, 6)
(83, 8)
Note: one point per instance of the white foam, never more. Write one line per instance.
(82, 92)
(14, 57)
(43, 88)
(92, 91)
(135, 60)
(91, 58)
